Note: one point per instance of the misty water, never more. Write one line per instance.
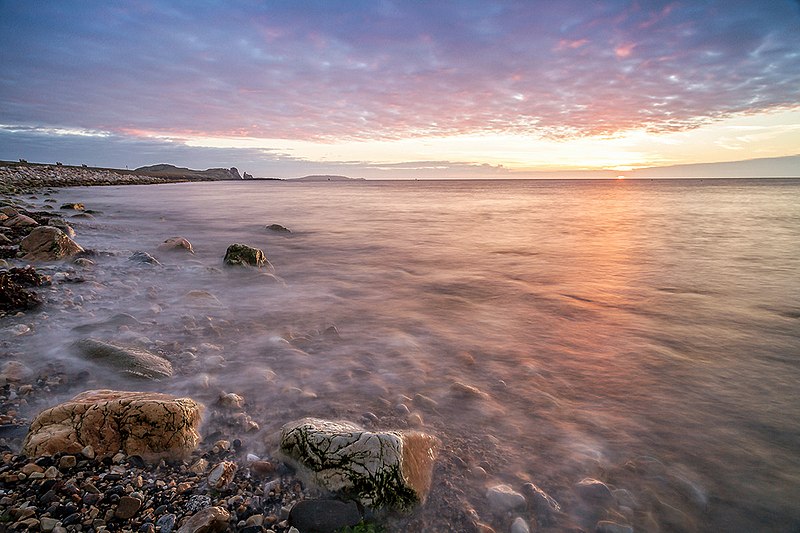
(644, 333)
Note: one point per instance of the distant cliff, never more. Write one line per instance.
(171, 171)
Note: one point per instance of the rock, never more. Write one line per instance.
(324, 516)
(63, 226)
(464, 391)
(391, 468)
(231, 400)
(144, 258)
(243, 255)
(15, 371)
(148, 424)
(67, 461)
(176, 244)
(607, 526)
(73, 206)
(594, 491)
(127, 507)
(520, 526)
(503, 498)
(133, 361)
(222, 474)
(166, 523)
(278, 228)
(542, 503)
(208, 520)
(15, 297)
(19, 221)
(48, 524)
(47, 243)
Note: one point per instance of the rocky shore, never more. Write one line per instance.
(24, 178)
(108, 461)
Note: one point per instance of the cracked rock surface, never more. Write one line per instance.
(391, 468)
(152, 425)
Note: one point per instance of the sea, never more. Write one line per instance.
(644, 333)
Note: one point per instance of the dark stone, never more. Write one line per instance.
(324, 516)
(166, 523)
(147, 528)
(73, 206)
(278, 228)
(243, 255)
(252, 529)
(74, 518)
(144, 258)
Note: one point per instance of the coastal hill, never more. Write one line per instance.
(171, 171)
(325, 177)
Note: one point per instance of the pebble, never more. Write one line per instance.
(127, 507)
(594, 491)
(503, 498)
(520, 526)
(67, 461)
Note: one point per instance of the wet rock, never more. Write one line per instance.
(14, 371)
(324, 516)
(464, 391)
(47, 243)
(520, 526)
(607, 526)
(15, 297)
(148, 424)
(131, 361)
(391, 468)
(208, 520)
(543, 504)
(176, 244)
(63, 226)
(503, 498)
(19, 221)
(231, 400)
(166, 523)
(73, 206)
(222, 475)
(278, 228)
(243, 255)
(594, 491)
(144, 258)
(127, 507)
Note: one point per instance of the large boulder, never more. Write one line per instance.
(127, 360)
(47, 243)
(243, 255)
(391, 468)
(152, 425)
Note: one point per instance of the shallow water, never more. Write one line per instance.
(645, 333)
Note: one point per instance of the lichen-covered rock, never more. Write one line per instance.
(391, 468)
(152, 425)
(176, 244)
(133, 361)
(243, 255)
(47, 243)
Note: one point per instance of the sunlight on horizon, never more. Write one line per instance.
(740, 137)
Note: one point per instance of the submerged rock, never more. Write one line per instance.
(133, 361)
(391, 468)
(47, 243)
(73, 206)
(152, 425)
(503, 498)
(243, 255)
(144, 258)
(324, 515)
(176, 244)
(14, 295)
(278, 228)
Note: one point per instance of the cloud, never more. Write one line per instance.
(389, 70)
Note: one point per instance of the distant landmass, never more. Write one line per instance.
(765, 167)
(325, 177)
(171, 171)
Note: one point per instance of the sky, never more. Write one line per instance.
(387, 89)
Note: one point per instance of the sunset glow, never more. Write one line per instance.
(502, 89)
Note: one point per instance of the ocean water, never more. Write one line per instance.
(644, 333)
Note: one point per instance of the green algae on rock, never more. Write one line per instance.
(243, 255)
(390, 468)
